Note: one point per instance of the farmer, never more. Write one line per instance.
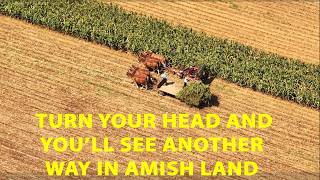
(185, 81)
(164, 79)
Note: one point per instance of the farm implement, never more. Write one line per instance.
(171, 80)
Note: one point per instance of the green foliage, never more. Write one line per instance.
(110, 25)
(196, 94)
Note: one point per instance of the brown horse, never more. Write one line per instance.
(152, 57)
(142, 57)
(152, 65)
(138, 71)
(141, 76)
(149, 54)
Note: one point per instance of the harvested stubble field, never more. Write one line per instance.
(45, 71)
(289, 28)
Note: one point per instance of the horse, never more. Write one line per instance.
(160, 59)
(140, 76)
(150, 58)
(138, 70)
(143, 56)
(152, 65)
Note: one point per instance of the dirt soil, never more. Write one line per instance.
(46, 71)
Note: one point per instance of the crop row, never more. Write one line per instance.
(108, 24)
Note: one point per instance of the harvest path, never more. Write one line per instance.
(288, 28)
(44, 71)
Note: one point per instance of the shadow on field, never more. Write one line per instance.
(214, 99)
(209, 80)
(213, 102)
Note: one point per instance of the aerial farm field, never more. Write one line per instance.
(46, 71)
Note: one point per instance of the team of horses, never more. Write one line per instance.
(158, 63)
(142, 75)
